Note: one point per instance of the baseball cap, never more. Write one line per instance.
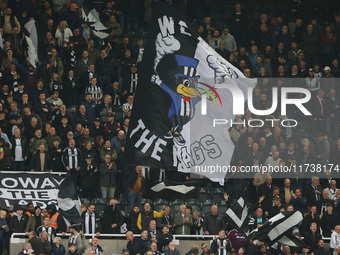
(310, 70)
(97, 119)
(74, 5)
(327, 68)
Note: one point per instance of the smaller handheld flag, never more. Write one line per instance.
(68, 202)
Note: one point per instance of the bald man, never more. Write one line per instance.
(183, 221)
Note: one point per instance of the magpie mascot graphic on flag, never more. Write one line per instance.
(184, 98)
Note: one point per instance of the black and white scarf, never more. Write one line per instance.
(73, 238)
(153, 234)
(90, 227)
(116, 99)
(15, 82)
(73, 58)
(134, 82)
(97, 250)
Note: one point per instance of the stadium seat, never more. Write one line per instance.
(222, 203)
(99, 201)
(209, 202)
(84, 200)
(174, 208)
(196, 207)
(206, 206)
(100, 214)
(159, 201)
(177, 202)
(206, 209)
(204, 190)
(204, 193)
(146, 200)
(204, 196)
(217, 193)
(217, 190)
(158, 207)
(126, 209)
(119, 201)
(192, 201)
(222, 209)
(99, 210)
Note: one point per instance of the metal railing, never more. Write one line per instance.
(29, 172)
(120, 236)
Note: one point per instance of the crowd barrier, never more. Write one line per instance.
(114, 243)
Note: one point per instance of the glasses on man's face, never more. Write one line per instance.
(204, 247)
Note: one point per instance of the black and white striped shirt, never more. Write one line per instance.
(50, 231)
(134, 82)
(95, 92)
(71, 157)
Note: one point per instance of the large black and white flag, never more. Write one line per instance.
(184, 89)
(68, 201)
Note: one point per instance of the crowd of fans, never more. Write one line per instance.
(70, 113)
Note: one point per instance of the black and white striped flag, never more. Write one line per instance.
(92, 19)
(237, 215)
(277, 230)
(290, 240)
(68, 201)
